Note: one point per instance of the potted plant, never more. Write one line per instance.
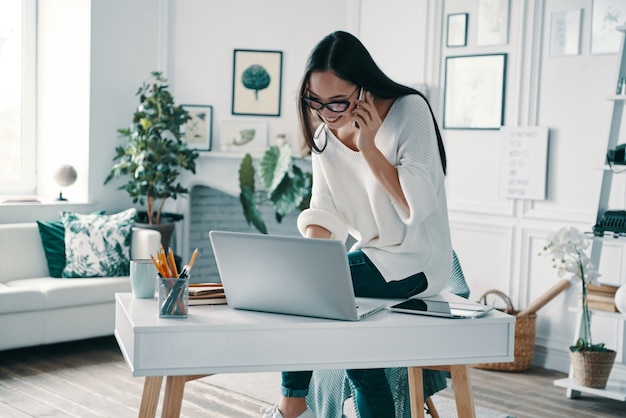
(154, 154)
(283, 184)
(592, 363)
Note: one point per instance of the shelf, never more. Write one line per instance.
(615, 389)
(615, 168)
(599, 312)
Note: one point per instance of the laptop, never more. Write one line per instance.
(288, 275)
(441, 308)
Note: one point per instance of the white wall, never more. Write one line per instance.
(498, 239)
(203, 35)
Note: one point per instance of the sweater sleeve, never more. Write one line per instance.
(419, 165)
(322, 210)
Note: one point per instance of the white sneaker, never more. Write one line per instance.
(273, 412)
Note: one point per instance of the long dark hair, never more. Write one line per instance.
(342, 53)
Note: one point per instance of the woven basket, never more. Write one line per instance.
(524, 338)
(592, 368)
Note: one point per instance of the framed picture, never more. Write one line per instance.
(493, 22)
(606, 16)
(474, 92)
(457, 30)
(565, 33)
(198, 130)
(257, 82)
(243, 136)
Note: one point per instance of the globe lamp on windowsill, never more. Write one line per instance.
(65, 176)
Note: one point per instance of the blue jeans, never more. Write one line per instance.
(373, 396)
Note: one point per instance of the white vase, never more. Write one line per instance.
(620, 299)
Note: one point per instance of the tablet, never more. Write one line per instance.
(441, 308)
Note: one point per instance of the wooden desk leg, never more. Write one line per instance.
(463, 391)
(416, 392)
(173, 398)
(150, 396)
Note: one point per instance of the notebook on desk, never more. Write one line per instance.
(288, 275)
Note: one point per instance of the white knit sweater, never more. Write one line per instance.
(347, 198)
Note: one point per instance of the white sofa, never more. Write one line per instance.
(37, 309)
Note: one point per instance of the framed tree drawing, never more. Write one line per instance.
(257, 82)
(198, 130)
(474, 92)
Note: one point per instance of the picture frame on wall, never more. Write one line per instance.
(198, 130)
(457, 30)
(606, 16)
(565, 32)
(474, 91)
(257, 82)
(243, 136)
(492, 24)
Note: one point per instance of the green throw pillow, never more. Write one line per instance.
(97, 245)
(52, 235)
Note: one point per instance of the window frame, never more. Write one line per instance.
(27, 181)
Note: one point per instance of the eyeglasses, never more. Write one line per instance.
(337, 107)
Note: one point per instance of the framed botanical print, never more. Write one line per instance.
(257, 82)
(198, 130)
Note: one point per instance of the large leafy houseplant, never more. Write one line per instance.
(283, 184)
(154, 154)
(567, 247)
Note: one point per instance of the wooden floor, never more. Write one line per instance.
(90, 379)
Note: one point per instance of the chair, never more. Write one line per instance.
(330, 389)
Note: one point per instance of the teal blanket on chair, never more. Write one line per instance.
(329, 389)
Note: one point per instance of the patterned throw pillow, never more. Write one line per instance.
(52, 235)
(97, 245)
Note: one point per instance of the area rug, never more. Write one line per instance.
(266, 387)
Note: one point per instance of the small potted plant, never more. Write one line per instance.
(592, 363)
(154, 154)
(283, 184)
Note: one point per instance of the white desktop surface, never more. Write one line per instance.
(219, 339)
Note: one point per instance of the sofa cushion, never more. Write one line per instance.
(76, 292)
(53, 240)
(15, 299)
(97, 245)
(21, 253)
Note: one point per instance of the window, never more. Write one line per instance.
(17, 96)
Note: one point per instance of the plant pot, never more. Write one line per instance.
(592, 368)
(166, 227)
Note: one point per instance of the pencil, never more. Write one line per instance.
(173, 268)
(193, 258)
(157, 265)
(164, 262)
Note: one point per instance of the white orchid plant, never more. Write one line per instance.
(568, 246)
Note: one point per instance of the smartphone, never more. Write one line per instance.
(355, 124)
(441, 308)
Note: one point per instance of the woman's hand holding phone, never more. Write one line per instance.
(366, 120)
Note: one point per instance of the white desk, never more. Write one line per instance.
(218, 339)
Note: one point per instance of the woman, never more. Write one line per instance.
(378, 175)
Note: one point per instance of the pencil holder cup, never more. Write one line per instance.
(173, 297)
